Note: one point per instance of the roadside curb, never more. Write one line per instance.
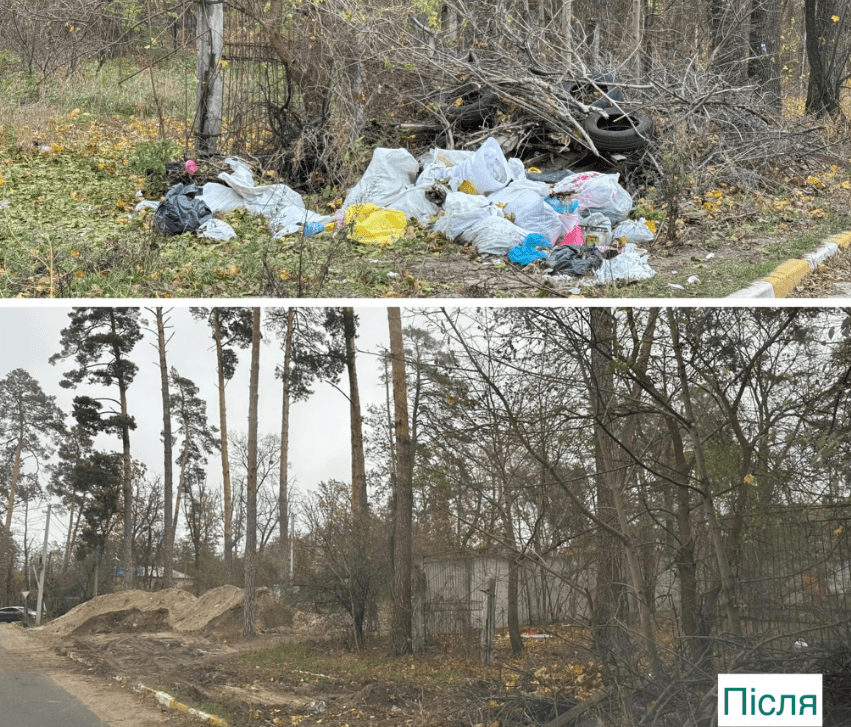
(169, 702)
(166, 700)
(789, 274)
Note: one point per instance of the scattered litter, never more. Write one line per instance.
(675, 285)
(313, 228)
(528, 252)
(575, 260)
(693, 279)
(527, 209)
(488, 171)
(392, 275)
(494, 235)
(629, 265)
(282, 206)
(564, 207)
(573, 237)
(537, 636)
(146, 204)
(217, 230)
(635, 231)
(710, 256)
(575, 291)
(4, 204)
(181, 211)
(476, 197)
(373, 225)
(316, 707)
(595, 192)
(390, 181)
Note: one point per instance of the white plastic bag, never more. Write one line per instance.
(487, 171)
(629, 265)
(596, 192)
(389, 172)
(446, 157)
(389, 181)
(282, 206)
(216, 230)
(633, 231)
(462, 210)
(530, 211)
(494, 235)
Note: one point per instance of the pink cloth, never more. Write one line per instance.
(191, 167)
(574, 237)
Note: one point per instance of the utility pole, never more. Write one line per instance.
(43, 570)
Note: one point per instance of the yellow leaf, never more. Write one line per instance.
(819, 213)
(749, 479)
(834, 18)
(459, 101)
(651, 225)
(845, 185)
(838, 531)
(714, 193)
(534, 170)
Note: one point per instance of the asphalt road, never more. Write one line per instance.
(31, 699)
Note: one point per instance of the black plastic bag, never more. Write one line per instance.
(181, 211)
(575, 259)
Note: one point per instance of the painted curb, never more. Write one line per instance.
(169, 702)
(789, 274)
(166, 700)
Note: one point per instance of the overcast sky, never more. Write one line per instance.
(319, 437)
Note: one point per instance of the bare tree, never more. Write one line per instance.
(250, 603)
(401, 635)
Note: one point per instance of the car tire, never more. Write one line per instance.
(622, 131)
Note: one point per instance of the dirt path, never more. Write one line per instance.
(114, 703)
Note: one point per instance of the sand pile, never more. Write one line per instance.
(210, 606)
(217, 612)
(173, 600)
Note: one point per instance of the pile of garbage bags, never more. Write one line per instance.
(486, 200)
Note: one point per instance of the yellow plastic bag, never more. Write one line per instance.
(373, 225)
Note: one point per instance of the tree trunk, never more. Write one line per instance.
(223, 429)
(360, 507)
(16, 473)
(401, 635)
(826, 62)
(168, 556)
(609, 591)
(728, 579)
(283, 497)
(208, 91)
(127, 476)
(249, 608)
(764, 63)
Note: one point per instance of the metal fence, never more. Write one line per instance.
(792, 566)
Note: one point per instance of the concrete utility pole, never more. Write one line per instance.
(43, 569)
(208, 91)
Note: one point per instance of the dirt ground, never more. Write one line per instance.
(112, 701)
(298, 671)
